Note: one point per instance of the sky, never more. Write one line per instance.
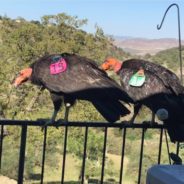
(135, 18)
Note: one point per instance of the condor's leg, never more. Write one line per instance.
(153, 118)
(136, 111)
(65, 120)
(69, 102)
(67, 109)
(57, 102)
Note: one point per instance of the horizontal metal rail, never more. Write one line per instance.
(123, 124)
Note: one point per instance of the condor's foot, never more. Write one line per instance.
(131, 122)
(46, 123)
(127, 122)
(151, 123)
(60, 122)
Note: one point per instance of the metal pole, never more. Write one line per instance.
(141, 156)
(179, 36)
(180, 54)
(103, 157)
(22, 154)
(167, 144)
(84, 156)
(160, 146)
(122, 156)
(1, 144)
(64, 155)
(43, 155)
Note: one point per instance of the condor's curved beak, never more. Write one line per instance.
(23, 76)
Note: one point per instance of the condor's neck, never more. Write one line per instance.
(117, 67)
(35, 78)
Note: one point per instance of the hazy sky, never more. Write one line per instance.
(137, 18)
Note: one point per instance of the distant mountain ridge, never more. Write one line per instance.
(142, 46)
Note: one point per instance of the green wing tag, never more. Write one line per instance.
(137, 79)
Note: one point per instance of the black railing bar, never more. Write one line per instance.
(1, 144)
(177, 148)
(84, 155)
(167, 144)
(160, 146)
(22, 154)
(124, 124)
(43, 155)
(122, 156)
(64, 155)
(141, 155)
(103, 157)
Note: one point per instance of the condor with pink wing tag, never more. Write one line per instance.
(58, 67)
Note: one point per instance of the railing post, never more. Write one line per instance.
(103, 157)
(122, 156)
(84, 156)
(141, 156)
(43, 155)
(64, 154)
(22, 154)
(1, 144)
(160, 146)
(167, 144)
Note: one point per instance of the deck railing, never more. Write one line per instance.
(87, 125)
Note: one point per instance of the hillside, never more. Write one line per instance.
(169, 58)
(142, 46)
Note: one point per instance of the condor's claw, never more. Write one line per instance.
(46, 122)
(61, 122)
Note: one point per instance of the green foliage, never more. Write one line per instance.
(169, 58)
(11, 153)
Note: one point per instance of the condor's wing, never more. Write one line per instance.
(81, 78)
(167, 78)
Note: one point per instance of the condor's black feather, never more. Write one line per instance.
(82, 80)
(158, 78)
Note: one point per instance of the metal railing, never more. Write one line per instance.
(87, 125)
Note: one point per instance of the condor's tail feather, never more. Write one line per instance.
(176, 132)
(111, 110)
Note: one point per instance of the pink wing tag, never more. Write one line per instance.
(58, 67)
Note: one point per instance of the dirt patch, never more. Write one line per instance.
(6, 180)
(117, 160)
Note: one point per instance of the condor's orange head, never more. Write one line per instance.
(111, 64)
(23, 76)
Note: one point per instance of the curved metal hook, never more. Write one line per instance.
(174, 4)
(179, 37)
